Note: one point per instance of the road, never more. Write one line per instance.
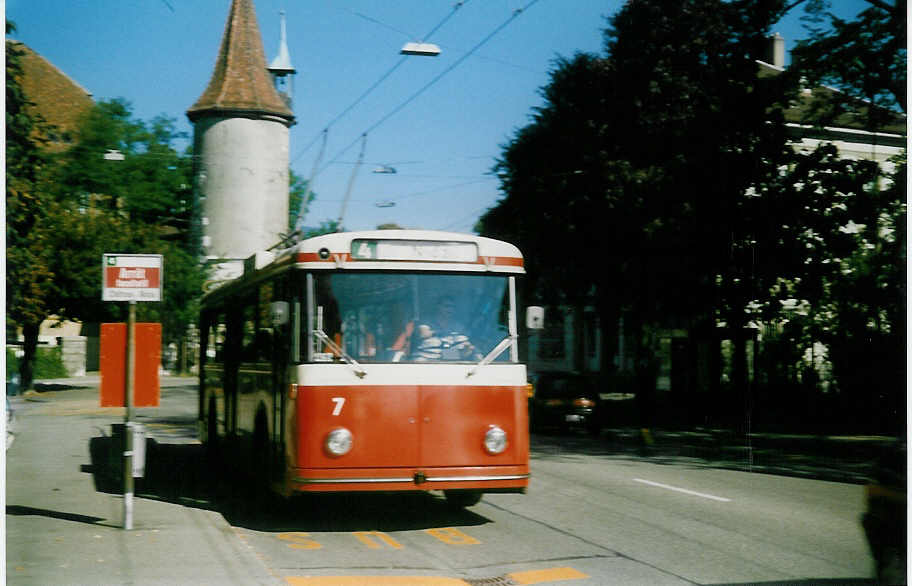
(593, 515)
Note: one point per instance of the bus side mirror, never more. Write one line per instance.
(535, 317)
(280, 313)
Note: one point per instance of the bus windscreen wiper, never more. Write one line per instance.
(356, 367)
(492, 355)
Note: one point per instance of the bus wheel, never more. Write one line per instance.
(460, 499)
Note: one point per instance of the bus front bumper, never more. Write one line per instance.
(484, 479)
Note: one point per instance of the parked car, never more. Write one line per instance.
(562, 401)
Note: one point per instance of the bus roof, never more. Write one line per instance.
(406, 250)
(402, 250)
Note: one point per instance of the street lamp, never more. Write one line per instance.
(422, 49)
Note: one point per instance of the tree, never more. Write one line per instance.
(845, 265)
(29, 280)
(864, 59)
(66, 210)
(141, 204)
(666, 164)
(298, 189)
(659, 140)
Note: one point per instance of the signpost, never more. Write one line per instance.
(131, 278)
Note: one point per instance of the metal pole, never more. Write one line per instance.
(128, 420)
(351, 181)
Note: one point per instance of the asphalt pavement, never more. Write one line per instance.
(64, 510)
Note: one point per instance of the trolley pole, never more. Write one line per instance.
(128, 419)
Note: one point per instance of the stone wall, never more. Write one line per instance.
(73, 354)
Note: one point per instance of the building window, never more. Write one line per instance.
(552, 337)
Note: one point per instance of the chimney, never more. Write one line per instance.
(775, 51)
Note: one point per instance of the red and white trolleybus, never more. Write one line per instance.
(370, 361)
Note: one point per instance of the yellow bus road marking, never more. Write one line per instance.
(300, 540)
(518, 578)
(548, 575)
(369, 538)
(452, 536)
(379, 539)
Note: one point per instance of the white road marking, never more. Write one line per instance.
(684, 490)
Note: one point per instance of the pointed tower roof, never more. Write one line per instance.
(241, 83)
(282, 61)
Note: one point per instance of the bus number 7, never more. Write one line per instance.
(339, 401)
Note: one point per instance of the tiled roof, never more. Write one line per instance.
(57, 98)
(801, 109)
(240, 83)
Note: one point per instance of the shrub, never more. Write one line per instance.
(48, 363)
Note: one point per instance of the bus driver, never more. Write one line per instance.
(442, 338)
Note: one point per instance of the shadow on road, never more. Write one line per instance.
(181, 474)
(804, 457)
(353, 512)
(19, 511)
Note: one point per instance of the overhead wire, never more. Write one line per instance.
(363, 135)
(460, 221)
(381, 79)
(433, 81)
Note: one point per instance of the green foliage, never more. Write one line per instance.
(866, 59)
(142, 204)
(150, 185)
(66, 210)
(325, 227)
(658, 139)
(666, 164)
(298, 189)
(48, 363)
(27, 273)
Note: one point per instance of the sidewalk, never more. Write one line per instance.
(62, 528)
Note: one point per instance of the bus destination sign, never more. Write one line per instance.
(414, 250)
(132, 277)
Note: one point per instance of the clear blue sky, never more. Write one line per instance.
(159, 56)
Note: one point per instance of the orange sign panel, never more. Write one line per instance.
(114, 359)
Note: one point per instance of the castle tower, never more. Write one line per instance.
(240, 143)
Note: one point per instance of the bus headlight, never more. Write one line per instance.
(495, 440)
(338, 442)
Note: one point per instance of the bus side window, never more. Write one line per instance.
(248, 341)
(218, 340)
(264, 334)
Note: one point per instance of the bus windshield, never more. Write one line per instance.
(399, 317)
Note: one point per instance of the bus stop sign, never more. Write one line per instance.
(132, 277)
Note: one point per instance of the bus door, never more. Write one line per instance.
(285, 353)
